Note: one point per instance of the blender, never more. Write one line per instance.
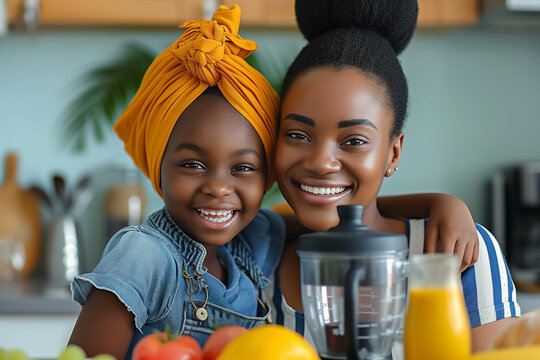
(353, 288)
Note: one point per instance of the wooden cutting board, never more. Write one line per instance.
(20, 218)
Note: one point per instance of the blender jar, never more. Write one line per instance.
(353, 288)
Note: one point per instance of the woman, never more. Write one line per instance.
(344, 103)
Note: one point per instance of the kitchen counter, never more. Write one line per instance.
(39, 297)
(36, 296)
(36, 316)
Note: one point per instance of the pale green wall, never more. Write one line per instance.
(475, 108)
(475, 104)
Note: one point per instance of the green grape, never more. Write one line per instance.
(72, 352)
(17, 354)
(104, 357)
(3, 354)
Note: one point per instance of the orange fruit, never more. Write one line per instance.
(269, 342)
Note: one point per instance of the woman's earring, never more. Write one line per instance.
(389, 171)
(396, 169)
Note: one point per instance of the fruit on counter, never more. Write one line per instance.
(104, 357)
(71, 352)
(13, 354)
(220, 339)
(269, 342)
(164, 346)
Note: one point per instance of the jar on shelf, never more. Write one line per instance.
(125, 202)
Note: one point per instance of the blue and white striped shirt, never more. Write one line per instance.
(488, 289)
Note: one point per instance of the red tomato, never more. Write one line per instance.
(219, 339)
(158, 347)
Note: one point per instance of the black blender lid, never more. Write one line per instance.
(352, 236)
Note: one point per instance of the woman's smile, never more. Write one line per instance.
(321, 193)
(322, 190)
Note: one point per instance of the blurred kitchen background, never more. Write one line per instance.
(473, 128)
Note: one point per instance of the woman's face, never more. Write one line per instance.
(334, 146)
(213, 171)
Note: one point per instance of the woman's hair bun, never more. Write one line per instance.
(395, 20)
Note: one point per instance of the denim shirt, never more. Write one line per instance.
(147, 267)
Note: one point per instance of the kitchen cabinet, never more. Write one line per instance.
(444, 13)
(112, 12)
(432, 13)
(255, 13)
(266, 12)
(14, 9)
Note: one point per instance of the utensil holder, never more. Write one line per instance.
(63, 257)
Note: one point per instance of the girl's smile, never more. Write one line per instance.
(215, 219)
(213, 171)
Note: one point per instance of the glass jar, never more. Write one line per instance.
(125, 202)
(436, 322)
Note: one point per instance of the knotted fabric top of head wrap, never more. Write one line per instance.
(209, 53)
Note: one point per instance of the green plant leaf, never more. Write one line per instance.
(273, 73)
(105, 91)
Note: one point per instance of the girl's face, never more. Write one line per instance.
(213, 171)
(334, 145)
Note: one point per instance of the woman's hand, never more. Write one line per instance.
(450, 229)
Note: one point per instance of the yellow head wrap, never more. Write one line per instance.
(209, 53)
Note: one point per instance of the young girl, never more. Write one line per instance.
(202, 127)
(344, 102)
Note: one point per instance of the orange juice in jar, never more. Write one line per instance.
(436, 322)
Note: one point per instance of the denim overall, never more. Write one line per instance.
(156, 271)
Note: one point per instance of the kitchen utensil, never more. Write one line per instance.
(41, 195)
(60, 188)
(436, 324)
(353, 288)
(80, 195)
(65, 200)
(65, 251)
(20, 219)
(63, 255)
